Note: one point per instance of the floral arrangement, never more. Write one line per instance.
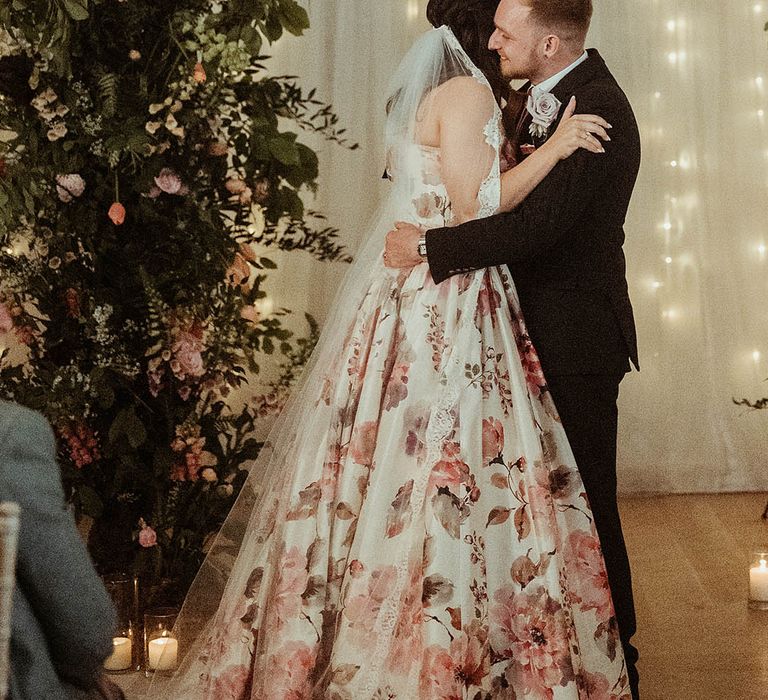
(146, 171)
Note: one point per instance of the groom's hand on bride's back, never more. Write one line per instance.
(402, 248)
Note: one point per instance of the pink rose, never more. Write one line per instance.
(169, 182)
(544, 109)
(590, 587)
(364, 443)
(187, 354)
(69, 187)
(531, 629)
(493, 439)
(232, 683)
(147, 537)
(290, 672)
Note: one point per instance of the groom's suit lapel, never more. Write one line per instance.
(591, 69)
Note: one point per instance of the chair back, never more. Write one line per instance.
(9, 537)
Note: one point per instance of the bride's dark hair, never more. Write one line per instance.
(472, 23)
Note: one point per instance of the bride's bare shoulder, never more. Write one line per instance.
(463, 87)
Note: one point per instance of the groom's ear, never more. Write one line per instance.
(551, 45)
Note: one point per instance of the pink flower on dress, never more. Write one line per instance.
(232, 683)
(397, 387)
(6, 320)
(445, 674)
(451, 471)
(363, 443)
(438, 676)
(493, 439)
(331, 470)
(363, 604)
(531, 629)
(534, 374)
(589, 587)
(488, 300)
(429, 205)
(291, 582)
(290, 673)
(406, 643)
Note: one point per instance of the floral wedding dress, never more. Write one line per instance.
(425, 534)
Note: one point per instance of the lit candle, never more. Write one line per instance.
(122, 652)
(162, 653)
(758, 582)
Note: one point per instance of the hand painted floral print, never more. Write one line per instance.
(414, 554)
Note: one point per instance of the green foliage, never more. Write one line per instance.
(148, 164)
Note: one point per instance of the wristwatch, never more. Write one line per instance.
(422, 247)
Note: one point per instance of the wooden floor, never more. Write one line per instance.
(690, 559)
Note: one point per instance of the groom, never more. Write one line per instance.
(563, 246)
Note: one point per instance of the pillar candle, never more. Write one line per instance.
(163, 652)
(121, 657)
(758, 582)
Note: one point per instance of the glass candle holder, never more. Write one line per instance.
(758, 580)
(161, 647)
(125, 650)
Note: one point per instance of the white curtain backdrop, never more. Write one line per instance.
(696, 72)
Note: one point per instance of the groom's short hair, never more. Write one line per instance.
(569, 17)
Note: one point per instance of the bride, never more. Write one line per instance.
(416, 526)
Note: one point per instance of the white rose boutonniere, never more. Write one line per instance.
(544, 109)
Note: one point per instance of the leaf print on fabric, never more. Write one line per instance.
(415, 423)
(563, 482)
(292, 579)
(254, 582)
(493, 440)
(315, 586)
(363, 443)
(548, 446)
(344, 512)
(436, 336)
(534, 374)
(607, 637)
(400, 512)
(306, 508)
(488, 302)
(522, 523)
(397, 387)
(437, 591)
(492, 376)
(498, 516)
(448, 511)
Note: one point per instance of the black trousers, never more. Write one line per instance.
(587, 408)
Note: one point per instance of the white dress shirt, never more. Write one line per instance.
(549, 84)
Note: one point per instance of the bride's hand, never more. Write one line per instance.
(577, 131)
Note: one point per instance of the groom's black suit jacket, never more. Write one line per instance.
(563, 244)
